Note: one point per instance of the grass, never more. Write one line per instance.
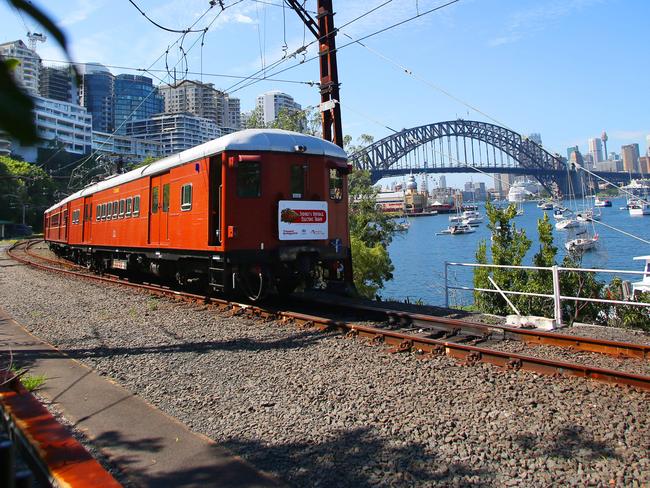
(30, 381)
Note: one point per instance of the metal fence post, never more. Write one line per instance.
(446, 289)
(556, 296)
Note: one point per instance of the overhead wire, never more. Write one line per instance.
(160, 26)
(367, 36)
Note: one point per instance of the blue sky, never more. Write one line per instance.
(565, 68)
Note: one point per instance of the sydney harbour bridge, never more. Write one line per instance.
(465, 146)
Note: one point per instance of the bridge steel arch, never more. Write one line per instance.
(549, 169)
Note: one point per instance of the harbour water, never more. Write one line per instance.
(419, 254)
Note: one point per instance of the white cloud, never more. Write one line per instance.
(526, 23)
(80, 12)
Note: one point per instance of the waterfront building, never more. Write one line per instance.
(536, 137)
(97, 94)
(130, 147)
(203, 100)
(174, 131)
(27, 72)
(609, 165)
(630, 154)
(135, 98)
(596, 149)
(58, 84)
(271, 103)
(59, 124)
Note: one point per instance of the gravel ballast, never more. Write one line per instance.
(322, 410)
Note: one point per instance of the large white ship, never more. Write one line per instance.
(521, 189)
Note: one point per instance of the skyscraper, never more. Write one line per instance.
(647, 145)
(630, 157)
(536, 137)
(58, 84)
(135, 98)
(596, 149)
(570, 150)
(97, 94)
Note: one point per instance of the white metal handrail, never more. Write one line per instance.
(557, 296)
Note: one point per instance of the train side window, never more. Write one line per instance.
(129, 202)
(122, 204)
(186, 197)
(165, 206)
(298, 180)
(248, 180)
(336, 185)
(136, 206)
(75, 216)
(154, 199)
(115, 209)
(102, 211)
(97, 211)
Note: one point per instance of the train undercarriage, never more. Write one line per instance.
(254, 274)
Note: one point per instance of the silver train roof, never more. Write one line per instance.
(275, 140)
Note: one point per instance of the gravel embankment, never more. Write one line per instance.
(321, 410)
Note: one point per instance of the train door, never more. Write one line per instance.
(88, 218)
(159, 209)
(216, 193)
(65, 223)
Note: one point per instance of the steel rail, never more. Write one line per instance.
(533, 337)
(404, 342)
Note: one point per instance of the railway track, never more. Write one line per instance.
(408, 332)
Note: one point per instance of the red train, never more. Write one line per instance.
(254, 211)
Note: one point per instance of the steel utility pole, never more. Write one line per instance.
(323, 29)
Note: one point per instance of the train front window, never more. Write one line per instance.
(165, 206)
(298, 180)
(336, 185)
(154, 199)
(248, 180)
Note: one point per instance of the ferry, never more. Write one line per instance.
(602, 203)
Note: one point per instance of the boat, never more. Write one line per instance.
(568, 224)
(638, 207)
(471, 215)
(642, 286)
(581, 244)
(402, 226)
(602, 203)
(588, 215)
(455, 229)
(560, 213)
(545, 205)
(472, 221)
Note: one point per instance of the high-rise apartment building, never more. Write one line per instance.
(203, 100)
(59, 123)
(271, 103)
(97, 94)
(175, 132)
(135, 98)
(27, 72)
(630, 154)
(58, 84)
(596, 149)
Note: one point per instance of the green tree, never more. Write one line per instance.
(509, 246)
(541, 281)
(625, 315)
(24, 186)
(371, 231)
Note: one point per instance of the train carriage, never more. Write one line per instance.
(255, 211)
